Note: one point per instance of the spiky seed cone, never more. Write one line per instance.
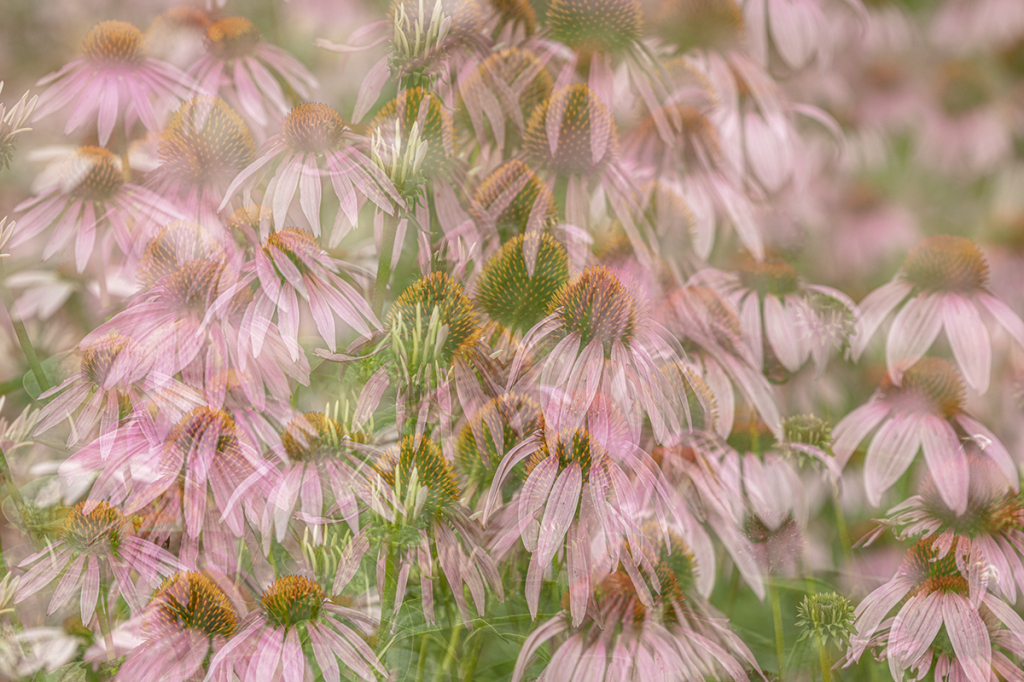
(313, 127)
(419, 459)
(535, 198)
(946, 263)
(587, 139)
(189, 601)
(771, 276)
(587, 26)
(174, 245)
(439, 290)
(232, 37)
(114, 43)
(476, 449)
(697, 24)
(931, 383)
(205, 141)
(92, 173)
(597, 306)
(509, 295)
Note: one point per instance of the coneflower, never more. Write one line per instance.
(943, 284)
(512, 200)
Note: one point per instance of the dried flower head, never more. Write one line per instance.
(510, 294)
(573, 132)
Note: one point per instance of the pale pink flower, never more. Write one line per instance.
(292, 611)
(115, 79)
(793, 29)
(945, 279)
(97, 544)
(315, 145)
(994, 519)
(676, 637)
(243, 69)
(188, 621)
(965, 26)
(941, 585)
(923, 412)
(784, 319)
(90, 193)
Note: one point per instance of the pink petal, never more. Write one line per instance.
(873, 610)
(855, 427)
(90, 590)
(969, 637)
(993, 448)
(67, 585)
(946, 462)
(310, 193)
(292, 660)
(890, 454)
(783, 333)
(968, 339)
(1008, 319)
(108, 115)
(369, 91)
(874, 309)
(914, 629)
(913, 332)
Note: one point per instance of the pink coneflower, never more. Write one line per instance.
(314, 143)
(573, 492)
(994, 520)
(90, 193)
(924, 411)
(293, 262)
(97, 544)
(204, 146)
(940, 586)
(114, 79)
(426, 493)
(112, 380)
(677, 637)
(796, 29)
(293, 613)
(947, 278)
(188, 620)
(235, 67)
(322, 458)
(784, 319)
(600, 337)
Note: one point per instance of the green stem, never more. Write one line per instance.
(844, 532)
(780, 643)
(21, 332)
(387, 601)
(826, 661)
(449, 656)
(734, 590)
(387, 247)
(104, 619)
(423, 658)
(474, 655)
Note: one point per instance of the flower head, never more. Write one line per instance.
(12, 123)
(514, 201)
(596, 25)
(421, 478)
(597, 306)
(946, 263)
(414, 117)
(573, 133)
(513, 296)
(313, 128)
(205, 142)
(827, 617)
(436, 302)
(492, 431)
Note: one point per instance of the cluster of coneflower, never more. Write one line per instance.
(517, 372)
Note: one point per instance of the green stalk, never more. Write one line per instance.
(387, 602)
(780, 643)
(21, 332)
(449, 656)
(474, 655)
(387, 246)
(826, 661)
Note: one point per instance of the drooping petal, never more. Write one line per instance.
(947, 462)
(913, 332)
(969, 340)
(890, 454)
(969, 637)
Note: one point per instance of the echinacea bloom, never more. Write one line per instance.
(512, 200)
(676, 638)
(290, 264)
(994, 520)
(598, 336)
(940, 588)
(292, 617)
(235, 67)
(783, 319)
(314, 143)
(97, 544)
(323, 471)
(428, 512)
(945, 279)
(89, 193)
(113, 79)
(111, 381)
(188, 620)
(204, 146)
(923, 412)
(573, 492)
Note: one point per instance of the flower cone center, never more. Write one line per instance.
(232, 37)
(597, 306)
(587, 140)
(114, 43)
(94, 173)
(190, 600)
(313, 127)
(293, 599)
(206, 141)
(946, 263)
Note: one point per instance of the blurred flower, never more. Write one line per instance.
(90, 192)
(784, 319)
(294, 616)
(939, 589)
(235, 67)
(12, 123)
(115, 78)
(188, 621)
(315, 143)
(924, 411)
(626, 637)
(948, 279)
(204, 146)
(96, 544)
